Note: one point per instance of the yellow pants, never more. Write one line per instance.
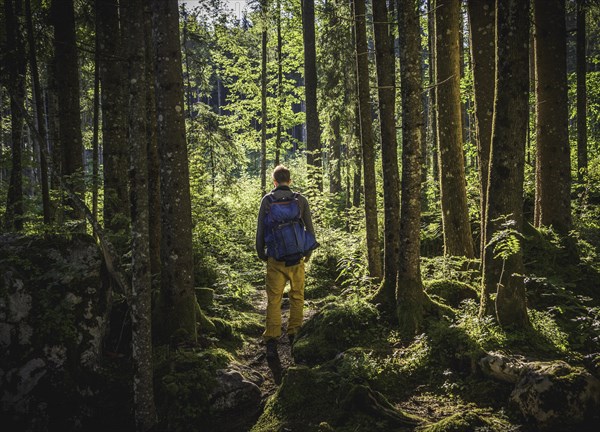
(277, 276)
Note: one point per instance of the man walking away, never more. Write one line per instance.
(285, 239)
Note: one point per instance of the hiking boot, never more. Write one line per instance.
(272, 349)
(291, 338)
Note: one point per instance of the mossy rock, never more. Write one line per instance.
(205, 296)
(468, 419)
(451, 291)
(313, 400)
(334, 329)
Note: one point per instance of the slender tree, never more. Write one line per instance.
(141, 299)
(482, 32)
(114, 117)
(16, 64)
(553, 156)
(410, 297)
(582, 155)
(455, 215)
(177, 302)
(384, 51)
(431, 93)
(503, 259)
(366, 138)
(39, 110)
(313, 128)
(263, 99)
(67, 85)
(279, 85)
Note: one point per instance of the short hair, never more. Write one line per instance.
(281, 174)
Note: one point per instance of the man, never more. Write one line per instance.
(289, 268)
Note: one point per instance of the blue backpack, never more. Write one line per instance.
(285, 235)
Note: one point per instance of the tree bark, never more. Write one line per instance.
(313, 128)
(432, 99)
(410, 297)
(16, 64)
(279, 86)
(482, 19)
(366, 133)
(67, 81)
(582, 155)
(553, 156)
(386, 82)
(114, 120)
(141, 298)
(95, 127)
(39, 109)
(455, 214)
(335, 156)
(505, 193)
(178, 304)
(263, 100)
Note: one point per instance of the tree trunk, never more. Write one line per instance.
(410, 297)
(153, 155)
(263, 101)
(582, 155)
(114, 121)
(67, 82)
(432, 99)
(178, 304)
(279, 86)
(39, 109)
(368, 146)
(335, 156)
(386, 82)
(553, 157)
(504, 275)
(482, 24)
(16, 65)
(455, 215)
(313, 128)
(96, 122)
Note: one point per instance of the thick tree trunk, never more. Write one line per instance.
(368, 146)
(263, 101)
(504, 275)
(67, 82)
(114, 121)
(178, 304)
(313, 128)
(553, 157)
(16, 64)
(458, 240)
(40, 116)
(482, 22)
(141, 287)
(386, 82)
(410, 297)
(582, 155)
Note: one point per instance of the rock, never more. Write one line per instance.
(205, 296)
(53, 315)
(557, 396)
(453, 292)
(553, 395)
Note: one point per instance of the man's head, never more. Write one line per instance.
(281, 176)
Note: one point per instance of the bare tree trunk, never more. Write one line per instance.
(141, 287)
(16, 64)
(39, 109)
(582, 154)
(386, 82)
(114, 121)
(335, 156)
(67, 78)
(482, 24)
(432, 98)
(553, 157)
(458, 240)
(368, 146)
(96, 120)
(263, 100)
(504, 274)
(410, 297)
(178, 304)
(279, 86)
(313, 128)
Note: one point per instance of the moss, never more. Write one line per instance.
(469, 418)
(183, 381)
(334, 329)
(452, 291)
